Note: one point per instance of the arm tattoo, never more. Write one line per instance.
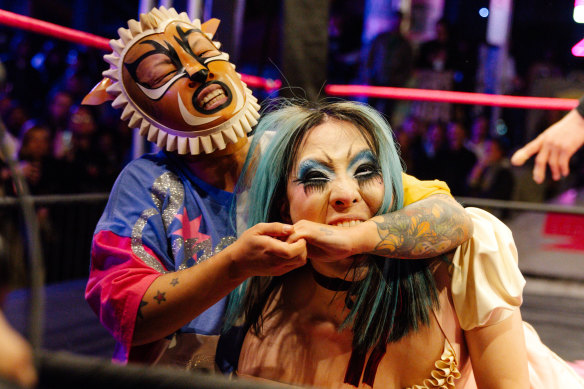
(326, 231)
(424, 229)
(160, 297)
(174, 282)
(142, 304)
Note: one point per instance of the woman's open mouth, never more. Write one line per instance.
(346, 223)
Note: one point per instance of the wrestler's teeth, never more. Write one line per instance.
(348, 223)
(211, 96)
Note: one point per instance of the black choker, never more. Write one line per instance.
(331, 283)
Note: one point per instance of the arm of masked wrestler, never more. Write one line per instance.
(139, 304)
(257, 252)
(498, 354)
(432, 222)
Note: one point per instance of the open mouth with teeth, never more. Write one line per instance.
(211, 97)
(347, 223)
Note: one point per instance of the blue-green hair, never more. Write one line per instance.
(379, 311)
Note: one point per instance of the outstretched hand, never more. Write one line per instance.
(554, 147)
(266, 250)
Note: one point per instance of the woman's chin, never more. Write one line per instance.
(353, 268)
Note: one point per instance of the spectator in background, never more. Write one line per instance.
(434, 146)
(491, 177)
(44, 173)
(411, 142)
(79, 74)
(479, 132)
(23, 81)
(456, 162)
(57, 118)
(390, 61)
(437, 54)
(90, 164)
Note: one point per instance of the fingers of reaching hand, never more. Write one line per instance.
(541, 161)
(524, 153)
(564, 163)
(553, 162)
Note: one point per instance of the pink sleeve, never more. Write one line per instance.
(117, 282)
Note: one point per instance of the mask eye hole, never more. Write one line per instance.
(155, 70)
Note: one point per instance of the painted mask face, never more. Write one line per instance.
(175, 85)
(336, 178)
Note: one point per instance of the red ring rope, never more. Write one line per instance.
(39, 26)
(451, 97)
(27, 23)
(30, 24)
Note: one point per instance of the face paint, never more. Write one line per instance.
(336, 178)
(176, 86)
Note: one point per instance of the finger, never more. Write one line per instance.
(294, 237)
(298, 248)
(286, 250)
(564, 163)
(524, 153)
(27, 376)
(540, 165)
(553, 164)
(275, 229)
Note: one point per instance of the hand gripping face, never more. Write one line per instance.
(174, 84)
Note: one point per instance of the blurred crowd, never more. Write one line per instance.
(474, 165)
(61, 146)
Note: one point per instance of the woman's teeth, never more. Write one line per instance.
(347, 223)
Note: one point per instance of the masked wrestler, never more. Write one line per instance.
(164, 253)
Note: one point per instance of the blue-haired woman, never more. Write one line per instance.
(365, 320)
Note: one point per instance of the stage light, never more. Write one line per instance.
(578, 49)
(579, 11)
(484, 12)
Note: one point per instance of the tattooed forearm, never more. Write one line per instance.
(174, 282)
(423, 229)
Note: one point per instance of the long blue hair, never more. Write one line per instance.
(397, 294)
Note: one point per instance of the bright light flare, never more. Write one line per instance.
(578, 49)
(579, 11)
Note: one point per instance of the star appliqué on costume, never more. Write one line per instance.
(160, 297)
(190, 234)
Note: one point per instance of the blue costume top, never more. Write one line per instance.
(159, 218)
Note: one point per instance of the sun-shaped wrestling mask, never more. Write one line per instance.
(174, 84)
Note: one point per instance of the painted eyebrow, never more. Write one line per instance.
(361, 155)
(158, 48)
(313, 163)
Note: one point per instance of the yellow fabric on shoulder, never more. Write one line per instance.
(415, 190)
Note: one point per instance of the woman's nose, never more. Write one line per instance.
(344, 194)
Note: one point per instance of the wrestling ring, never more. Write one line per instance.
(554, 295)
